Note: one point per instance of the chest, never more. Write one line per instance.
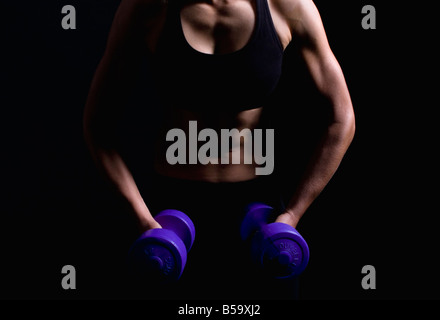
(219, 28)
(220, 59)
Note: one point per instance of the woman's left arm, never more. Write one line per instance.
(305, 25)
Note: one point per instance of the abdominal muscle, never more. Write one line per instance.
(221, 172)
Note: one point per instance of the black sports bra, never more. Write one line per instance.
(235, 81)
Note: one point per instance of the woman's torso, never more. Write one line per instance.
(215, 65)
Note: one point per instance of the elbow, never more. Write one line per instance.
(343, 125)
(350, 124)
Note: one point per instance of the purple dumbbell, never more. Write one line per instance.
(161, 254)
(277, 247)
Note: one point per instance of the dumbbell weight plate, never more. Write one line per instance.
(280, 250)
(159, 254)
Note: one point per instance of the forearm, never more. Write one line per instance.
(323, 164)
(116, 172)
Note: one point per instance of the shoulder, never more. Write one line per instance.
(287, 4)
(302, 20)
(298, 15)
(292, 7)
(139, 12)
(135, 25)
(140, 8)
(139, 4)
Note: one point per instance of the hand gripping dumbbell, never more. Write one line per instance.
(160, 254)
(276, 247)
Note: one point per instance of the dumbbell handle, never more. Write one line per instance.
(179, 223)
(257, 221)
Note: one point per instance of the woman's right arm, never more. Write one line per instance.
(130, 37)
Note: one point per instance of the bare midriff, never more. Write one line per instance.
(210, 172)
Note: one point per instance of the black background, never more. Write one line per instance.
(378, 209)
